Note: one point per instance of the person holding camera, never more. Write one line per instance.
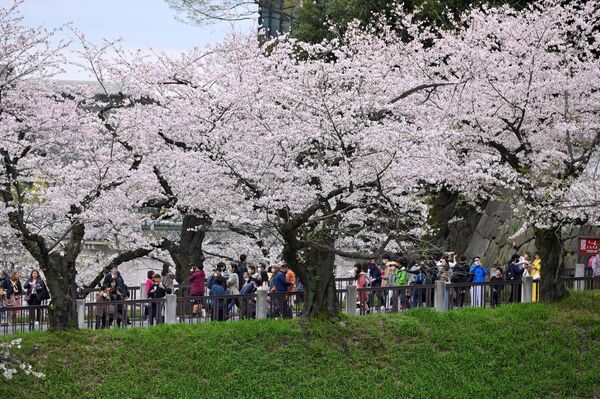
(157, 291)
(102, 311)
(197, 280)
(478, 273)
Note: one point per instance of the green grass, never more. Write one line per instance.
(525, 351)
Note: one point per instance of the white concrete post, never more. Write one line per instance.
(143, 291)
(261, 303)
(439, 296)
(527, 289)
(81, 313)
(351, 298)
(170, 309)
(579, 272)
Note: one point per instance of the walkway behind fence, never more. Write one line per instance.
(173, 309)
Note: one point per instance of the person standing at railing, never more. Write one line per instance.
(6, 292)
(375, 280)
(115, 275)
(281, 285)
(218, 303)
(36, 293)
(401, 280)
(514, 275)
(157, 291)
(478, 273)
(197, 280)
(168, 278)
(263, 276)
(361, 278)
(460, 275)
(116, 294)
(217, 271)
(242, 267)
(102, 311)
(149, 283)
(388, 279)
(535, 272)
(15, 299)
(247, 305)
(233, 288)
(496, 289)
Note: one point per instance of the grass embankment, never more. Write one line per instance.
(515, 351)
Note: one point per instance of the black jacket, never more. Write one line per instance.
(41, 291)
(497, 287)
(6, 285)
(156, 291)
(120, 283)
(460, 273)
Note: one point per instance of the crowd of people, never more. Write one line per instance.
(401, 271)
(13, 294)
(225, 291)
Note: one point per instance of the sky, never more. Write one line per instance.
(139, 23)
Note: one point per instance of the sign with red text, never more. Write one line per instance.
(589, 246)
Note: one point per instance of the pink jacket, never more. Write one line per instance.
(149, 283)
(197, 279)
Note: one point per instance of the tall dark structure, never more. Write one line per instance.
(276, 16)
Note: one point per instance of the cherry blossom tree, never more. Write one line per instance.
(528, 116)
(299, 145)
(65, 176)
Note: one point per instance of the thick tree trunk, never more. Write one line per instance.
(318, 278)
(550, 247)
(189, 251)
(60, 278)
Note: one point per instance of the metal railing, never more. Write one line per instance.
(122, 314)
(197, 309)
(394, 299)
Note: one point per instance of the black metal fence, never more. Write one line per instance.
(394, 299)
(189, 309)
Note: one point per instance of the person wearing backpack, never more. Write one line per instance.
(514, 275)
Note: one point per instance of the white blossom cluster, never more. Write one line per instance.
(9, 365)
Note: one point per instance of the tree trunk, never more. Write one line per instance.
(189, 251)
(60, 278)
(318, 277)
(550, 247)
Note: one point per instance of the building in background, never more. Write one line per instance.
(276, 16)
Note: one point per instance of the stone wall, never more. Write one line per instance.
(491, 239)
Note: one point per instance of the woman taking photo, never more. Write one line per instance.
(36, 293)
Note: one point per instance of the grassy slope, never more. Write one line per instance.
(514, 351)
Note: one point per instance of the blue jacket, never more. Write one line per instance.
(218, 290)
(280, 283)
(479, 273)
